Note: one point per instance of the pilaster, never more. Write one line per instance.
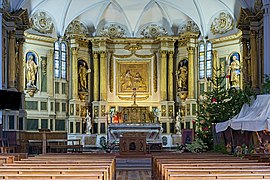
(103, 76)
(191, 51)
(170, 76)
(11, 60)
(96, 77)
(163, 77)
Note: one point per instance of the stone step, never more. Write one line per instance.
(133, 163)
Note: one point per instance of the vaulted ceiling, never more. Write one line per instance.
(133, 17)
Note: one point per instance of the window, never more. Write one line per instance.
(201, 60)
(20, 123)
(60, 60)
(205, 60)
(31, 105)
(63, 60)
(164, 127)
(63, 88)
(208, 60)
(56, 60)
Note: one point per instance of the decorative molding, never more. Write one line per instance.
(222, 24)
(76, 27)
(153, 30)
(227, 38)
(42, 23)
(129, 98)
(133, 47)
(137, 55)
(188, 26)
(113, 30)
(40, 38)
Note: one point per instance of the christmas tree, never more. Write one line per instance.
(218, 104)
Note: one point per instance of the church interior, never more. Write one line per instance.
(134, 78)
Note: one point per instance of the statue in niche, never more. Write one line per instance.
(182, 75)
(177, 125)
(31, 70)
(83, 72)
(88, 123)
(234, 70)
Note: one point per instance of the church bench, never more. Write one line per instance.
(216, 172)
(95, 176)
(17, 156)
(110, 165)
(159, 167)
(217, 176)
(6, 159)
(51, 172)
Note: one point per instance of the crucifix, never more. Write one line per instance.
(134, 96)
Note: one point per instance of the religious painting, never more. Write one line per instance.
(133, 75)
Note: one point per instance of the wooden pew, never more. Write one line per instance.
(170, 167)
(63, 164)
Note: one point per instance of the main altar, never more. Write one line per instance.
(135, 137)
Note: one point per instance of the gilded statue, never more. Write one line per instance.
(182, 74)
(31, 71)
(234, 70)
(83, 76)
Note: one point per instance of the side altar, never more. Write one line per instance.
(151, 132)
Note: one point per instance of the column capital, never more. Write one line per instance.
(190, 49)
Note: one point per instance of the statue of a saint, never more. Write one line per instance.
(182, 74)
(177, 125)
(31, 71)
(235, 72)
(83, 76)
(88, 123)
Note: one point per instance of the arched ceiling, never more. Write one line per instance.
(132, 17)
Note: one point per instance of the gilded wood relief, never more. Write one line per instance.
(133, 75)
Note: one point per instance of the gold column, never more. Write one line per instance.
(245, 60)
(190, 72)
(20, 78)
(254, 60)
(215, 65)
(170, 76)
(163, 77)
(74, 51)
(11, 61)
(103, 76)
(96, 77)
(50, 76)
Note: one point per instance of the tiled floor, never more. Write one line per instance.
(133, 175)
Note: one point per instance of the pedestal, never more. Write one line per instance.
(176, 139)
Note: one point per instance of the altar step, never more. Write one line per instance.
(131, 163)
